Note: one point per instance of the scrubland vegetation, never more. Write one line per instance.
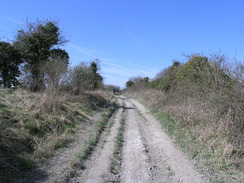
(201, 104)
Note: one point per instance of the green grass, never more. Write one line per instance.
(3, 107)
(26, 163)
(6, 115)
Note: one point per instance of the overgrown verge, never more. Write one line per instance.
(34, 125)
(204, 140)
(93, 139)
(116, 160)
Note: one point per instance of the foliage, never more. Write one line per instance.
(198, 71)
(45, 65)
(137, 81)
(84, 77)
(35, 42)
(129, 83)
(166, 79)
(193, 71)
(9, 64)
(145, 80)
(96, 77)
(62, 54)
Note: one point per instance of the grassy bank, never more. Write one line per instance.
(34, 126)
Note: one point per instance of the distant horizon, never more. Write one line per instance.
(135, 38)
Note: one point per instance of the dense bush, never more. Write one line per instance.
(206, 90)
(9, 64)
(166, 79)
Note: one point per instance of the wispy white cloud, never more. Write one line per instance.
(126, 67)
(124, 70)
(114, 70)
(85, 51)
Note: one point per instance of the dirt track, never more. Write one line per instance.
(147, 154)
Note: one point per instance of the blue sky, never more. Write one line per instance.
(135, 37)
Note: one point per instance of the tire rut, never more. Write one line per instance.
(97, 167)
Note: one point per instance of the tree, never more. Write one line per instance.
(138, 82)
(81, 78)
(59, 53)
(97, 78)
(145, 80)
(129, 84)
(35, 42)
(9, 64)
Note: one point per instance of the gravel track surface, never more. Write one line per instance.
(147, 156)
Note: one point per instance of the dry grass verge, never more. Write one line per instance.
(195, 124)
(34, 125)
